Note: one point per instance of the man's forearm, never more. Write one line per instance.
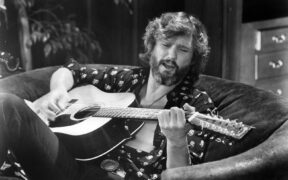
(177, 154)
(62, 78)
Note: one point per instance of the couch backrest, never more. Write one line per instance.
(261, 109)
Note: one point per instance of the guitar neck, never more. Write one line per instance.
(214, 123)
(130, 113)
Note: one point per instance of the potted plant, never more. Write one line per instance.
(49, 34)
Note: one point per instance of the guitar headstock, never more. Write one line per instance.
(227, 127)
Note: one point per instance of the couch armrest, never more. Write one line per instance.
(265, 161)
(33, 84)
(29, 85)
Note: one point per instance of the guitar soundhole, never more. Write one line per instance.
(86, 112)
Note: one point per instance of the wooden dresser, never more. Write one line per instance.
(264, 55)
(249, 40)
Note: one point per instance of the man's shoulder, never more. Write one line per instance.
(118, 68)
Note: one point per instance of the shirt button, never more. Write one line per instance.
(149, 157)
(191, 132)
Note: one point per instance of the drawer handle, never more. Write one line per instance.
(279, 39)
(279, 92)
(276, 65)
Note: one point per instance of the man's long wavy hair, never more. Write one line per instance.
(179, 23)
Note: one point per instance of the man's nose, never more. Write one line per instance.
(172, 54)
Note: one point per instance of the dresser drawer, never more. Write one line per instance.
(271, 64)
(271, 39)
(277, 86)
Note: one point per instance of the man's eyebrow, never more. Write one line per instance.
(184, 46)
(164, 41)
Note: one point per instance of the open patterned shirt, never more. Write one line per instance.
(134, 163)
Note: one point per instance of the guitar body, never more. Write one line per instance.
(92, 137)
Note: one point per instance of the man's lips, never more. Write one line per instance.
(169, 66)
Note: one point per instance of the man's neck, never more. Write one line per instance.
(155, 90)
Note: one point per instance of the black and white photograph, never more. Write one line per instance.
(143, 90)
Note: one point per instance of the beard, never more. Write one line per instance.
(167, 72)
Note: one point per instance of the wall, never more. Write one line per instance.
(119, 32)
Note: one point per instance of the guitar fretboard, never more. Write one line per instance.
(215, 123)
(133, 113)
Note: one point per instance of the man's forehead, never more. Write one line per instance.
(181, 40)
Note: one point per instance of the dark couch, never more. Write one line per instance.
(262, 154)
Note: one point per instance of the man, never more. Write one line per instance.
(176, 50)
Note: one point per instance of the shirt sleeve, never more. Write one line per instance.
(108, 79)
(202, 102)
(198, 139)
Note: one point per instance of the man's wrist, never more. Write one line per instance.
(177, 143)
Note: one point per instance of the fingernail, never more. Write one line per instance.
(58, 112)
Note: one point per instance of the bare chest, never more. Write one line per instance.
(144, 137)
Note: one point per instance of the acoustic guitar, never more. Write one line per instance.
(93, 124)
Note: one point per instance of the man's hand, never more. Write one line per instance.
(52, 103)
(172, 123)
